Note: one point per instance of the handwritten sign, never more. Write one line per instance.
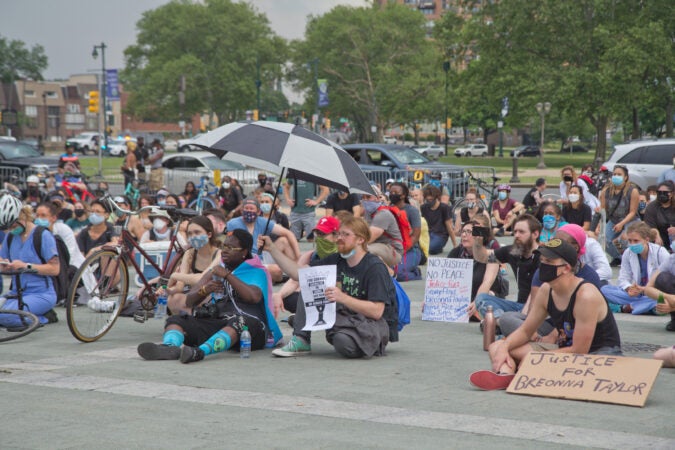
(447, 292)
(596, 378)
(319, 311)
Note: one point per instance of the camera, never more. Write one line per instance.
(207, 311)
(483, 232)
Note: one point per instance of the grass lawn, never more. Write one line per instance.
(110, 167)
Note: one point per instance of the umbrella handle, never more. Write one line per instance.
(274, 201)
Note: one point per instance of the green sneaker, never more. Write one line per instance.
(295, 347)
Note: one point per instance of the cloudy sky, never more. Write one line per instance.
(68, 29)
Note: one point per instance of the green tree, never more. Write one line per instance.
(218, 46)
(18, 62)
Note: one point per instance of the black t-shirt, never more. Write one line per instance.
(660, 218)
(336, 203)
(368, 280)
(86, 243)
(231, 198)
(577, 216)
(529, 201)
(524, 269)
(436, 218)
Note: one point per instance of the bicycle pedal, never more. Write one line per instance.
(141, 317)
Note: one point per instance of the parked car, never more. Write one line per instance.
(472, 150)
(118, 147)
(383, 161)
(645, 160)
(575, 148)
(185, 145)
(430, 151)
(525, 150)
(33, 142)
(389, 140)
(85, 142)
(26, 159)
(170, 145)
(181, 168)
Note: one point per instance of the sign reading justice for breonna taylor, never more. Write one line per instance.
(447, 292)
(319, 311)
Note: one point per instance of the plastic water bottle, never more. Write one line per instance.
(245, 344)
(160, 307)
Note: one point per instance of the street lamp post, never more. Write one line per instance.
(258, 83)
(44, 108)
(94, 54)
(446, 69)
(315, 65)
(542, 109)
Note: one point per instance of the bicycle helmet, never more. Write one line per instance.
(504, 187)
(33, 179)
(10, 208)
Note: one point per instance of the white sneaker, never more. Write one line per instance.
(98, 305)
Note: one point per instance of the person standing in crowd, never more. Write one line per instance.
(620, 199)
(660, 215)
(505, 210)
(467, 213)
(366, 318)
(153, 159)
(439, 218)
(343, 201)
(141, 154)
(129, 166)
(303, 198)
(576, 211)
(408, 269)
(534, 196)
(69, 157)
(637, 266)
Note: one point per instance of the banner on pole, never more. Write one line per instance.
(112, 84)
(322, 86)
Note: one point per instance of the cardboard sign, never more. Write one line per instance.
(447, 292)
(596, 378)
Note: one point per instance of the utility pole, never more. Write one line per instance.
(104, 88)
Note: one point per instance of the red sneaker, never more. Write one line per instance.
(490, 381)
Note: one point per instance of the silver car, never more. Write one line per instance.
(645, 160)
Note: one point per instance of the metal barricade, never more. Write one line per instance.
(12, 175)
(378, 177)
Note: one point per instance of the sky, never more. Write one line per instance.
(69, 29)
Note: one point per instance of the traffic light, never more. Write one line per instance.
(93, 102)
(326, 121)
(255, 114)
(448, 125)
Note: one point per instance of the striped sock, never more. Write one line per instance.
(173, 338)
(219, 342)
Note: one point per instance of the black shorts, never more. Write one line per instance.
(197, 331)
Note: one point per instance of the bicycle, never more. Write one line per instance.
(104, 279)
(27, 321)
(486, 194)
(203, 198)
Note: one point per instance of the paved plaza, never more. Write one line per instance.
(59, 393)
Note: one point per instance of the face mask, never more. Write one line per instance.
(617, 180)
(663, 197)
(161, 202)
(324, 247)
(262, 181)
(225, 185)
(79, 212)
(652, 198)
(470, 205)
(548, 272)
(430, 202)
(265, 208)
(394, 198)
(588, 174)
(41, 222)
(18, 230)
(198, 241)
(502, 195)
(33, 190)
(549, 221)
(95, 219)
(249, 217)
(574, 198)
(636, 248)
(436, 183)
(642, 206)
(370, 206)
(348, 255)
(158, 224)
(568, 179)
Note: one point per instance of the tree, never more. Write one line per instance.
(216, 44)
(18, 62)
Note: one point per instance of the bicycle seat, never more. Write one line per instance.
(182, 213)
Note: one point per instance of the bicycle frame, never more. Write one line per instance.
(483, 187)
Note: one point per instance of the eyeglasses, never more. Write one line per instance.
(344, 234)
(229, 248)
(466, 232)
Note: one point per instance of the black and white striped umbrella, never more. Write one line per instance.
(275, 146)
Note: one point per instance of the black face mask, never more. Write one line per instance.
(663, 197)
(568, 178)
(394, 198)
(548, 272)
(79, 212)
(33, 190)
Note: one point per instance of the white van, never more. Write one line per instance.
(645, 160)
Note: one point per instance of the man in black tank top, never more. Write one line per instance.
(578, 310)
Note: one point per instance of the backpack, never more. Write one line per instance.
(403, 303)
(403, 226)
(592, 187)
(66, 272)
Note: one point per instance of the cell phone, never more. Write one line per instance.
(480, 231)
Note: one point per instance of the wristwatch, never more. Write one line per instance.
(29, 266)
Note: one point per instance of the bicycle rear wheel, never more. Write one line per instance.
(25, 322)
(97, 295)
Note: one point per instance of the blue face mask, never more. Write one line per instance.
(548, 221)
(265, 208)
(617, 180)
(161, 202)
(636, 248)
(436, 183)
(18, 230)
(348, 255)
(95, 219)
(502, 195)
(41, 222)
(370, 206)
(642, 205)
(198, 241)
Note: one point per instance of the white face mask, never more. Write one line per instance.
(158, 224)
(225, 185)
(574, 198)
(652, 198)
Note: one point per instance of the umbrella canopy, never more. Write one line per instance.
(274, 146)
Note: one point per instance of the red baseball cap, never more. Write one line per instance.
(328, 224)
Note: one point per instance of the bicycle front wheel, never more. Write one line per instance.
(97, 295)
(17, 324)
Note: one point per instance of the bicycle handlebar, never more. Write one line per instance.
(116, 207)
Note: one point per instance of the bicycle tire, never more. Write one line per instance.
(207, 203)
(462, 203)
(89, 321)
(30, 321)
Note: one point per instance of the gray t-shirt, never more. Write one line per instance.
(392, 235)
(668, 265)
